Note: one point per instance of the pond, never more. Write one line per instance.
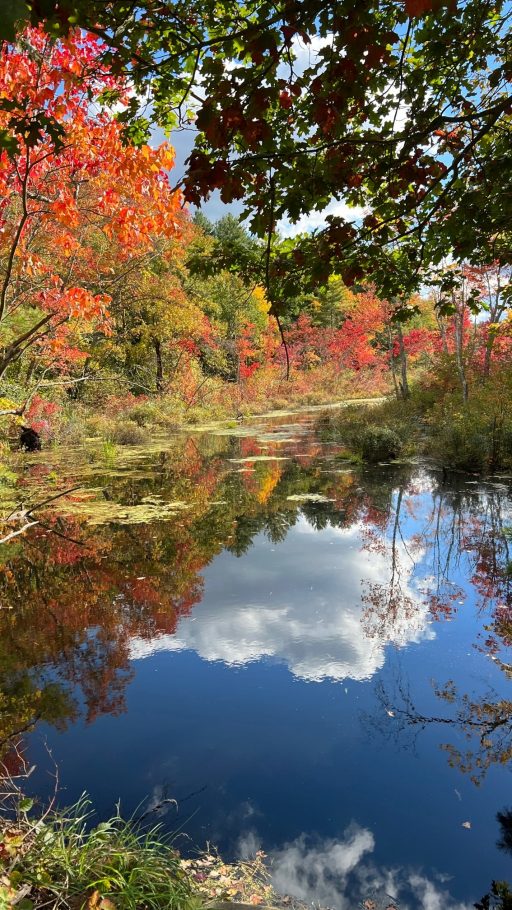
(310, 656)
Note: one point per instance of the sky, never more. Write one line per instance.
(214, 208)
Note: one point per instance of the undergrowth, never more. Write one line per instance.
(473, 435)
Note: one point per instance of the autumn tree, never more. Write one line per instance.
(493, 284)
(154, 321)
(328, 307)
(69, 185)
(226, 278)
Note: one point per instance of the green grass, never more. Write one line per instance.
(109, 452)
(59, 860)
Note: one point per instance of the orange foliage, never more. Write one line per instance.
(67, 189)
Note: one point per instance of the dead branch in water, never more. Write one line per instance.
(21, 514)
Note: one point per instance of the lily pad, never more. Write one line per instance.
(259, 458)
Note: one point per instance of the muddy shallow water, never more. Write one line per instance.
(311, 657)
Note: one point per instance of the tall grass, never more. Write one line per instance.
(61, 861)
(109, 452)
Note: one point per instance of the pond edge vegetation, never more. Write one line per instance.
(63, 858)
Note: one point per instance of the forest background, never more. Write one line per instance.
(123, 310)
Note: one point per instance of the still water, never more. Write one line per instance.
(311, 657)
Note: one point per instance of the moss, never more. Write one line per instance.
(100, 512)
(309, 497)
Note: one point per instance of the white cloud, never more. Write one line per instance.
(300, 604)
(306, 55)
(314, 874)
(248, 845)
(313, 220)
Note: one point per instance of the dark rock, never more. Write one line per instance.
(30, 440)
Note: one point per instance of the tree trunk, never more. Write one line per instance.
(159, 366)
(459, 353)
(392, 364)
(442, 331)
(495, 314)
(488, 356)
(30, 371)
(404, 383)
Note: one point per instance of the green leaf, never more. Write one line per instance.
(26, 804)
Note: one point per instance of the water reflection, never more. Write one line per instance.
(360, 561)
(332, 614)
(74, 615)
(300, 604)
(341, 873)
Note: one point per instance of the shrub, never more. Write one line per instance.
(378, 443)
(70, 432)
(145, 413)
(279, 404)
(462, 444)
(474, 435)
(97, 426)
(127, 434)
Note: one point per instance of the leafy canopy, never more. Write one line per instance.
(399, 108)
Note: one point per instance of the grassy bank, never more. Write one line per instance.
(473, 435)
(105, 414)
(61, 859)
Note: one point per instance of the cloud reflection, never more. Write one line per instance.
(341, 874)
(298, 603)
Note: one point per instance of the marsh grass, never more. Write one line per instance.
(473, 435)
(109, 453)
(57, 859)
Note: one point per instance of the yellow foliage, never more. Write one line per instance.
(260, 298)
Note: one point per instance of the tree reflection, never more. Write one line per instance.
(484, 721)
(388, 603)
(461, 535)
(504, 819)
(69, 612)
(499, 896)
